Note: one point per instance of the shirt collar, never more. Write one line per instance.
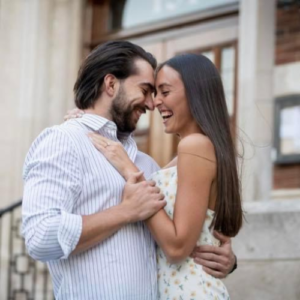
(98, 123)
(109, 129)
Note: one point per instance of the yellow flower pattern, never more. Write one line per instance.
(185, 280)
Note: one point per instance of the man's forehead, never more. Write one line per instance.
(142, 79)
(143, 68)
(144, 75)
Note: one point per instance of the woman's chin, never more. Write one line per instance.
(168, 130)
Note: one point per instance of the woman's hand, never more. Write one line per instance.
(115, 154)
(73, 114)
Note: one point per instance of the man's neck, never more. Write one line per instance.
(100, 111)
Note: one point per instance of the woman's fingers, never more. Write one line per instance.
(106, 146)
(101, 139)
(74, 113)
(98, 143)
(114, 152)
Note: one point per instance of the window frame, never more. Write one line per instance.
(280, 104)
(217, 50)
(96, 37)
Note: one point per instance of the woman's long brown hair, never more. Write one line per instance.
(206, 98)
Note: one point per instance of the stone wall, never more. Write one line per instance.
(268, 251)
(40, 54)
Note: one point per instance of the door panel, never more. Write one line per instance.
(215, 39)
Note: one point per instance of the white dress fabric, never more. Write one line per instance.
(185, 280)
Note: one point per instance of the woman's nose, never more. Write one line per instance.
(157, 101)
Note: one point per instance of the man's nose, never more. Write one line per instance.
(149, 103)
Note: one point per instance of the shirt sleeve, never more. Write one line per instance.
(52, 186)
(146, 164)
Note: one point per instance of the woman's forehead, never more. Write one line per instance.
(166, 76)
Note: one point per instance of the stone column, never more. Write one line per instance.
(40, 55)
(40, 52)
(255, 94)
(266, 247)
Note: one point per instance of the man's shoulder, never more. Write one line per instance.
(62, 141)
(73, 128)
(65, 135)
(66, 131)
(144, 156)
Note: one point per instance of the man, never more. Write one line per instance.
(79, 215)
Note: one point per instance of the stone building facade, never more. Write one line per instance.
(256, 46)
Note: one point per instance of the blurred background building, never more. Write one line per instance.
(256, 46)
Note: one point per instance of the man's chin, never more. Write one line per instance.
(132, 126)
(127, 129)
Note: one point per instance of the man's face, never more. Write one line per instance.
(134, 97)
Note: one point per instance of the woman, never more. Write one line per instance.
(201, 186)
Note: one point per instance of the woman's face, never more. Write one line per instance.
(172, 103)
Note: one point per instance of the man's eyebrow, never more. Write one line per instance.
(148, 85)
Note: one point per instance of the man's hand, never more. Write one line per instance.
(141, 200)
(216, 261)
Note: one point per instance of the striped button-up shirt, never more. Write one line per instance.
(66, 177)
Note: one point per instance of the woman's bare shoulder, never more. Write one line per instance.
(197, 144)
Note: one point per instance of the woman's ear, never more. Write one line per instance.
(110, 85)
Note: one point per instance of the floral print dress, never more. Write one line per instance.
(185, 280)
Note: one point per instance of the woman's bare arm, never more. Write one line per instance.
(172, 163)
(176, 237)
(223, 262)
(196, 171)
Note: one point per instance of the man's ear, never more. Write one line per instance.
(110, 85)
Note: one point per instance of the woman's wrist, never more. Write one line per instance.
(128, 170)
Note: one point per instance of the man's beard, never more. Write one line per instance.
(121, 113)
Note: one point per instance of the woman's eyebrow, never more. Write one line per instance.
(163, 85)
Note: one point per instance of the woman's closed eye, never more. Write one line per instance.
(165, 93)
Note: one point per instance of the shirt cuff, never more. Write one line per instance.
(69, 232)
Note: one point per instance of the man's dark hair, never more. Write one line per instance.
(114, 57)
